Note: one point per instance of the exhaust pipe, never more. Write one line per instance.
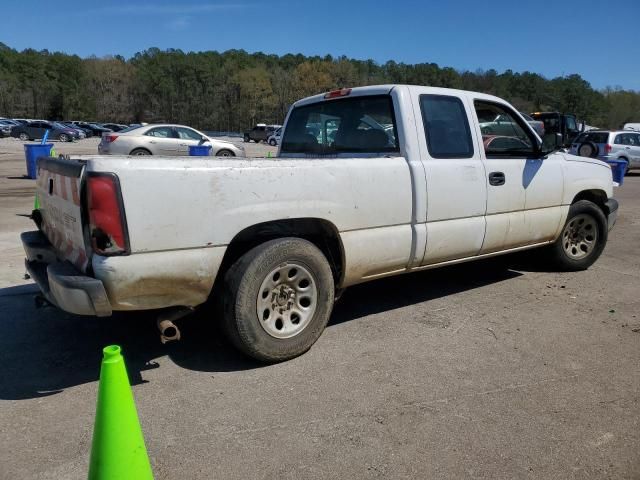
(169, 331)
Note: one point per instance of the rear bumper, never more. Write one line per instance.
(60, 282)
(612, 212)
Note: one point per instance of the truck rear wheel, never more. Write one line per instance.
(278, 299)
(582, 239)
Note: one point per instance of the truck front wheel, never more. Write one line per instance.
(582, 239)
(278, 299)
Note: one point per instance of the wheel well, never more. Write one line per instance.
(599, 197)
(140, 148)
(224, 150)
(321, 233)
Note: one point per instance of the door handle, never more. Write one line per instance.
(152, 141)
(496, 178)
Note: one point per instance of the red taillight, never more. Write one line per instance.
(110, 138)
(343, 92)
(106, 218)
(607, 148)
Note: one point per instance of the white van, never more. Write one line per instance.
(632, 126)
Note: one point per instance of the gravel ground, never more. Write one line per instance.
(494, 369)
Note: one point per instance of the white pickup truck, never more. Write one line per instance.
(369, 182)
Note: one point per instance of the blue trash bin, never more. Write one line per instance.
(199, 150)
(618, 168)
(32, 151)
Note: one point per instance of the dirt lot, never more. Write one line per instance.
(496, 369)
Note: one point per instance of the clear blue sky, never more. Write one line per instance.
(598, 40)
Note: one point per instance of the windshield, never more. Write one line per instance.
(60, 125)
(347, 125)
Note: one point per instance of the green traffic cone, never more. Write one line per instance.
(117, 450)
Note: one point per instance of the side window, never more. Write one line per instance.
(160, 132)
(188, 134)
(503, 133)
(362, 124)
(446, 127)
(635, 139)
(618, 140)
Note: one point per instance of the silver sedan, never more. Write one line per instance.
(166, 140)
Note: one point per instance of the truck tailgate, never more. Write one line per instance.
(59, 192)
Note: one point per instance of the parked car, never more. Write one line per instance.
(501, 125)
(5, 128)
(96, 130)
(609, 145)
(632, 126)
(115, 127)
(537, 125)
(81, 133)
(279, 239)
(259, 133)
(274, 138)
(496, 143)
(86, 131)
(11, 122)
(163, 140)
(36, 130)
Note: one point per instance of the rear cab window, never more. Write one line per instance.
(349, 125)
(446, 127)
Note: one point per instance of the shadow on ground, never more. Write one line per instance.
(46, 350)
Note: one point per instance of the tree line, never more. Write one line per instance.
(233, 90)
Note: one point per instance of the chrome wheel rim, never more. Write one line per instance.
(225, 153)
(287, 300)
(580, 236)
(63, 138)
(24, 137)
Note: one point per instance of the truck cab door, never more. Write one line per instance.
(455, 177)
(524, 191)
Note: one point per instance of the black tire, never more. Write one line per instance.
(566, 251)
(588, 149)
(225, 153)
(272, 142)
(243, 283)
(64, 138)
(246, 138)
(24, 137)
(140, 151)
